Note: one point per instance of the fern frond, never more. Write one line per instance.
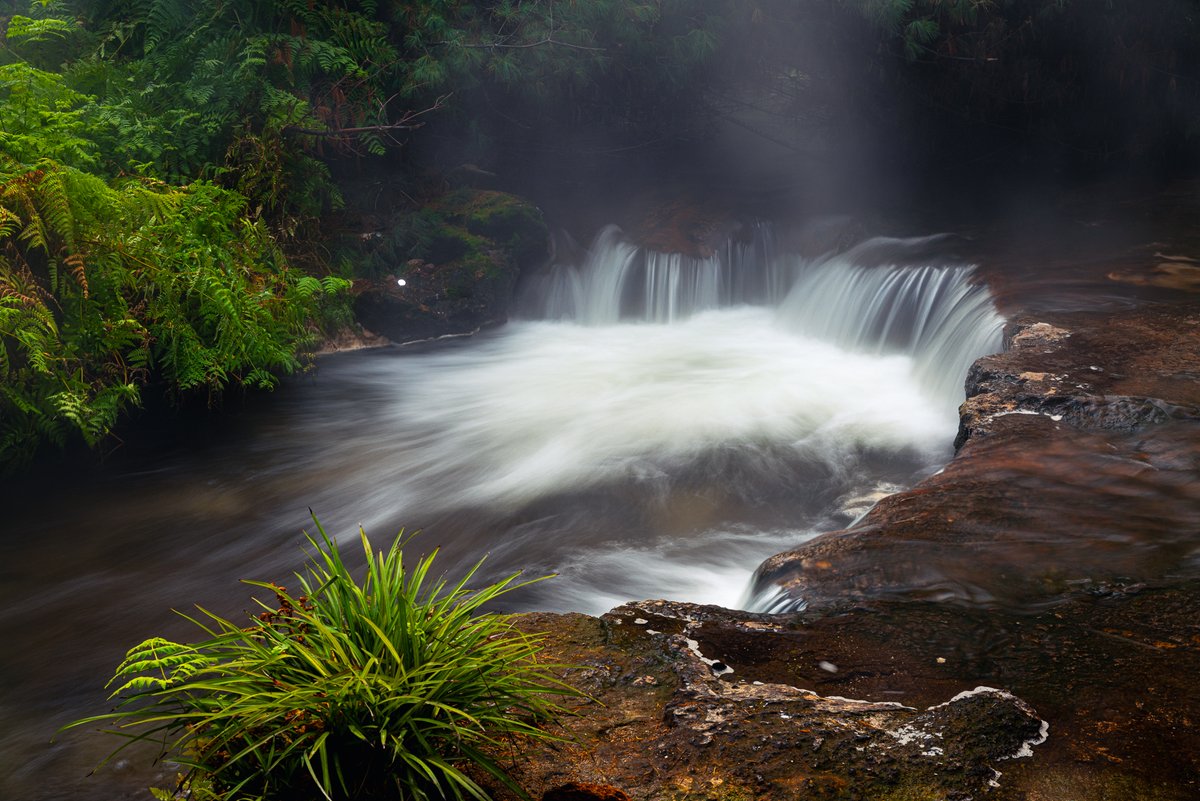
(36, 30)
(77, 265)
(163, 19)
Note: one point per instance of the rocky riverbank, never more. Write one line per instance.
(448, 269)
(1021, 625)
(1053, 559)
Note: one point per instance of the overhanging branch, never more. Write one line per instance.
(407, 122)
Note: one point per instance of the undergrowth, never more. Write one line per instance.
(396, 687)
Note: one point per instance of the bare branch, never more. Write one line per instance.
(549, 40)
(407, 122)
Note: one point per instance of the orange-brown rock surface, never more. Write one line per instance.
(1055, 558)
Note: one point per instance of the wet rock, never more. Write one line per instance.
(695, 734)
(347, 339)
(692, 227)
(1171, 271)
(583, 791)
(1078, 465)
(1116, 371)
(1109, 673)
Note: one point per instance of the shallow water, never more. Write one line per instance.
(661, 445)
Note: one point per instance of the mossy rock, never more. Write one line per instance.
(460, 258)
(510, 222)
(463, 225)
(450, 244)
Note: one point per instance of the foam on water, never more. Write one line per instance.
(719, 565)
(545, 408)
(661, 385)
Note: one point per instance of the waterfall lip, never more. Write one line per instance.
(897, 286)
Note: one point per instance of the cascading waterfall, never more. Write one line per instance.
(934, 314)
(617, 281)
(872, 298)
(664, 422)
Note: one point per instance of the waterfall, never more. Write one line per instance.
(658, 423)
(882, 297)
(935, 314)
(618, 281)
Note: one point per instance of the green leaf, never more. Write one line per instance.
(35, 30)
(395, 680)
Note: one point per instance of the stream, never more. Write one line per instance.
(653, 426)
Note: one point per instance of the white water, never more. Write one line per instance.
(654, 448)
(547, 408)
(935, 315)
(876, 298)
(658, 436)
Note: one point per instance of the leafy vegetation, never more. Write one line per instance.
(221, 140)
(106, 287)
(112, 280)
(398, 687)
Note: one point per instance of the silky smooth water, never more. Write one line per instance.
(660, 426)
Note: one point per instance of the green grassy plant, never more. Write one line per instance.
(395, 687)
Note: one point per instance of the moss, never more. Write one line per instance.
(468, 226)
(510, 222)
(449, 244)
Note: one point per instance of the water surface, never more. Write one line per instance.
(660, 427)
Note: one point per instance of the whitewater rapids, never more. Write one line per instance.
(546, 408)
(665, 423)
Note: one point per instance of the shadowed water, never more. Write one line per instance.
(664, 425)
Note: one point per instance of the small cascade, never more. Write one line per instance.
(937, 315)
(882, 297)
(678, 286)
(616, 281)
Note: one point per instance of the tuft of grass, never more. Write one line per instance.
(395, 687)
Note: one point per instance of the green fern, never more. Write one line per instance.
(108, 286)
(24, 29)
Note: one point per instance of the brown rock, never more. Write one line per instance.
(1111, 672)
(584, 791)
(713, 727)
(1079, 465)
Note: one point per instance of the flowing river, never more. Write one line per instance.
(653, 427)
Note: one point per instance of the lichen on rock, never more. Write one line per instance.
(699, 731)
